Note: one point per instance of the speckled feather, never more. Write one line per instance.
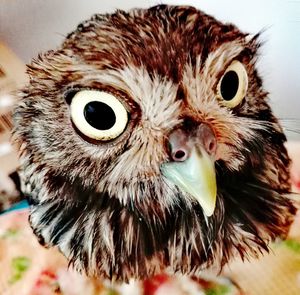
(106, 205)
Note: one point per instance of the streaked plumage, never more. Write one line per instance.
(106, 205)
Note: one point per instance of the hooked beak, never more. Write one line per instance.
(194, 174)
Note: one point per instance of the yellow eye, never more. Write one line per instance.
(98, 115)
(233, 85)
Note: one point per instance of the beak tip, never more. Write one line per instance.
(209, 213)
(209, 206)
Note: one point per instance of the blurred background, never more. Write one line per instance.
(28, 27)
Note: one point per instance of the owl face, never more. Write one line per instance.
(147, 144)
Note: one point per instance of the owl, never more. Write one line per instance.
(147, 145)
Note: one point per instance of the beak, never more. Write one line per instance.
(196, 176)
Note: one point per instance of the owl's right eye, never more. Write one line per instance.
(98, 115)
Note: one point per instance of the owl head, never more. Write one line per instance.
(147, 144)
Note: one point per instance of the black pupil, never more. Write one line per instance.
(229, 85)
(99, 115)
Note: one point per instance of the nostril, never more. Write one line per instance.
(212, 146)
(179, 155)
(208, 138)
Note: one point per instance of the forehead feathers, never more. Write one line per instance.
(162, 39)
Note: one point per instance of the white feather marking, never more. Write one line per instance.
(64, 242)
(37, 214)
(107, 235)
(48, 230)
(89, 240)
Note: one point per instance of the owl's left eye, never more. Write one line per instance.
(233, 85)
(98, 115)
